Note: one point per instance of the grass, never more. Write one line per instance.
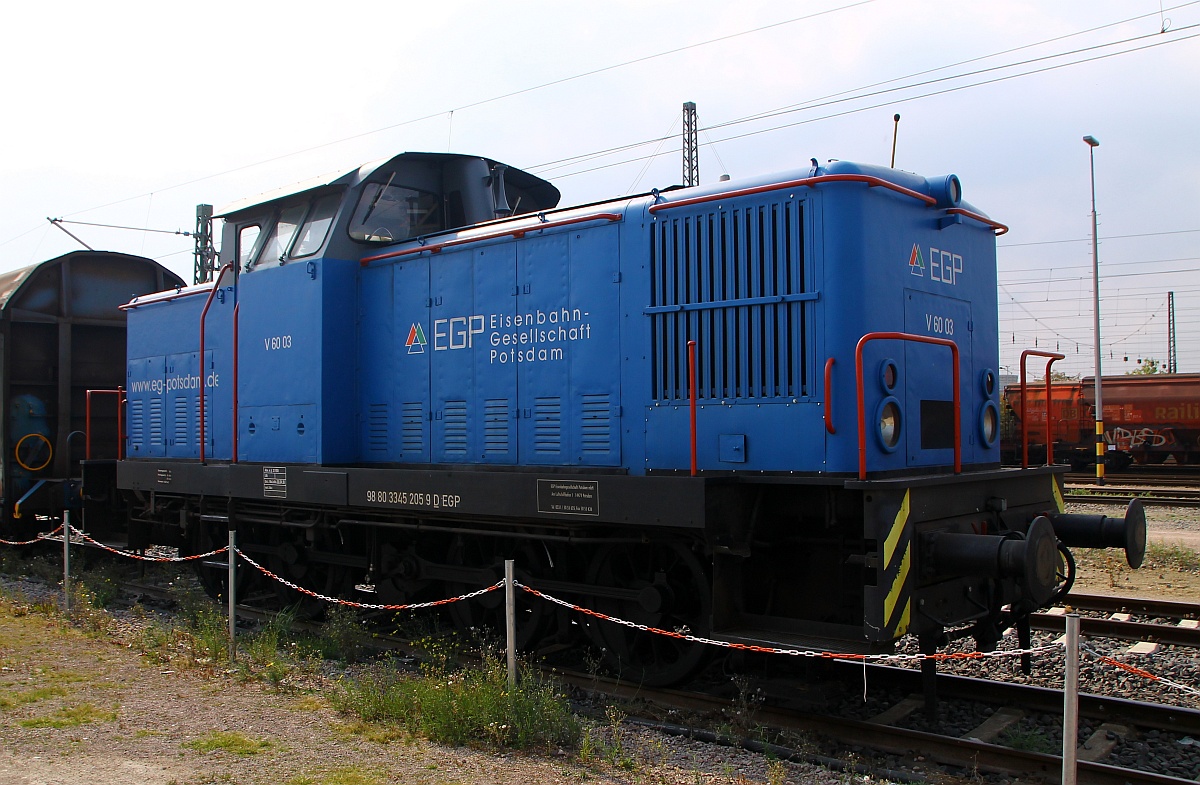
(70, 717)
(342, 776)
(228, 741)
(1029, 739)
(470, 706)
(12, 699)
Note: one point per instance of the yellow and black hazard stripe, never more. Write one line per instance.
(896, 564)
(1059, 504)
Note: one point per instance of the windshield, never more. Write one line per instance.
(387, 213)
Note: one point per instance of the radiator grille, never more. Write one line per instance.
(547, 425)
(597, 425)
(156, 422)
(137, 422)
(412, 427)
(455, 428)
(735, 280)
(377, 427)
(495, 426)
(181, 420)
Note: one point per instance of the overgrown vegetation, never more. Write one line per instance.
(462, 706)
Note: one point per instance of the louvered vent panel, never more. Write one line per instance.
(547, 425)
(156, 421)
(377, 427)
(495, 426)
(413, 427)
(597, 425)
(208, 433)
(454, 426)
(181, 421)
(137, 422)
(736, 282)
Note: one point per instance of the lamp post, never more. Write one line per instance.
(1092, 144)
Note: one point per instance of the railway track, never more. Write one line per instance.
(1156, 495)
(898, 729)
(897, 724)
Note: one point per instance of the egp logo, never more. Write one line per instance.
(944, 266)
(416, 339)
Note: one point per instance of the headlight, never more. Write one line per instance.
(989, 423)
(888, 416)
(987, 382)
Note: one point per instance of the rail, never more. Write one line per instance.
(517, 232)
(998, 227)
(87, 422)
(1053, 357)
(203, 377)
(862, 415)
(805, 182)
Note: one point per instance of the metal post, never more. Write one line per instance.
(1071, 700)
(232, 592)
(510, 621)
(1100, 446)
(67, 562)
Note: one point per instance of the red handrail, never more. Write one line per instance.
(203, 377)
(806, 182)
(520, 231)
(862, 415)
(139, 301)
(237, 310)
(1053, 356)
(983, 219)
(691, 346)
(829, 396)
(87, 422)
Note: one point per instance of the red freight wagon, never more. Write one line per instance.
(1146, 420)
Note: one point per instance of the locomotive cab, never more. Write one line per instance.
(409, 196)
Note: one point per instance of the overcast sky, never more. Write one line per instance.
(131, 113)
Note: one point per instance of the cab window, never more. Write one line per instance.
(275, 247)
(248, 244)
(387, 212)
(316, 226)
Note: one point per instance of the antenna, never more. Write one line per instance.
(895, 133)
(691, 146)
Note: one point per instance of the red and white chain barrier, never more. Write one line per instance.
(1145, 674)
(40, 538)
(684, 636)
(134, 555)
(366, 605)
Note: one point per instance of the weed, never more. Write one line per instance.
(777, 772)
(103, 584)
(228, 741)
(343, 776)
(470, 706)
(9, 700)
(339, 636)
(1029, 739)
(70, 717)
(209, 636)
(1172, 556)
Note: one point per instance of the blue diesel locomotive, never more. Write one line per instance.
(763, 411)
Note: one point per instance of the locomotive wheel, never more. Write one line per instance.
(674, 595)
(292, 559)
(486, 612)
(212, 572)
